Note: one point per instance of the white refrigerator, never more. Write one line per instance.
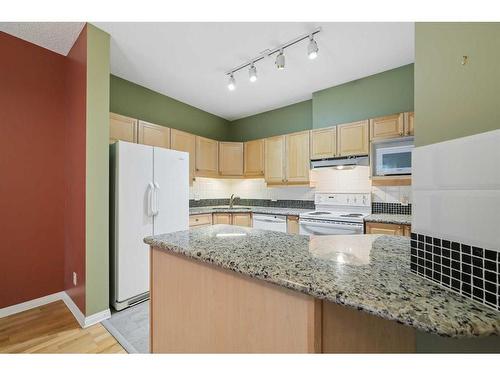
(149, 189)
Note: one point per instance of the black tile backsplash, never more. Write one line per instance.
(253, 202)
(468, 270)
(390, 208)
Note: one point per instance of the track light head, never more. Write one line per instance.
(231, 84)
(252, 73)
(280, 60)
(312, 48)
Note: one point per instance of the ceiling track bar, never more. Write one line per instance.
(273, 51)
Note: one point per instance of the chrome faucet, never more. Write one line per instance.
(232, 199)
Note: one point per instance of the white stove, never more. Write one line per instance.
(336, 213)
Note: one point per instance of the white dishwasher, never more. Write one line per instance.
(270, 222)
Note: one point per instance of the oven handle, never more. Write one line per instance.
(332, 225)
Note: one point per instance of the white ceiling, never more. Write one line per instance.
(56, 36)
(188, 61)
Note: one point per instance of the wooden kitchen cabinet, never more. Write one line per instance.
(297, 158)
(388, 229)
(231, 158)
(182, 141)
(275, 160)
(292, 224)
(353, 138)
(207, 157)
(200, 220)
(122, 128)
(387, 127)
(242, 219)
(221, 218)
(153, 135)
(409, 123)
(254, 158)
(324, 143)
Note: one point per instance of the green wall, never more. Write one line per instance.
(292, 118)
(454, 100)
(380, 94)
(377, 95)
(130, 99)
(97, 172)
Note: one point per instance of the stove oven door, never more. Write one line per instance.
(322, 227)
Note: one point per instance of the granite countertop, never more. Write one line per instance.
(365, 272)
(389, 219)
(253, 209)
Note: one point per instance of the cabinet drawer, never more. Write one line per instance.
(200, 219)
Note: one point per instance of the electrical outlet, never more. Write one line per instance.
(75, 279)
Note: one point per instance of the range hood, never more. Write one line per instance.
(348, 162)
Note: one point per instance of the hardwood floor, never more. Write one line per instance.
(53, 329)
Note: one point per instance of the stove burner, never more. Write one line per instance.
(320, 213)
(351, 215)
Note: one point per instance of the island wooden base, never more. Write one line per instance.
(199, 308)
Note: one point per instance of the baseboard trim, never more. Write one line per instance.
(23, 306)
(84, 321)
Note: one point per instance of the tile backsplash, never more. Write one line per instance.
(255, 188)
(329, 180)
(323, 180)
(390, 199)
(456, 215)
(392, 194)
(391, 208)
(468, 270)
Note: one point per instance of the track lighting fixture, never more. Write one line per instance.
(280, 60)
(252, 73)
(231, 85)
(312, 53)
(312, 48)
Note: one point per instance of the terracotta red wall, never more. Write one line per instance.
(76, 108)
(32, 178)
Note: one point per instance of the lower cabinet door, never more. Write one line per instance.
(222, 218)
(382, 228)
(242, 219)
(292, 224)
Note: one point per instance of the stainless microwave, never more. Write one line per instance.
(393, 160)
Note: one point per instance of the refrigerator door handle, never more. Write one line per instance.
(157, 199)
(150, 199)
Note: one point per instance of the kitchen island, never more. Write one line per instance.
(232, 289)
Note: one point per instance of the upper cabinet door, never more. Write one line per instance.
(353, 138)
(122, 128)
(207, 155)
(324, 143)
(254, 158)
(154, 135)
(275, 160)
(387, 126)
(409, 123)
(182, 141)
(297, 157)
(231, 158)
